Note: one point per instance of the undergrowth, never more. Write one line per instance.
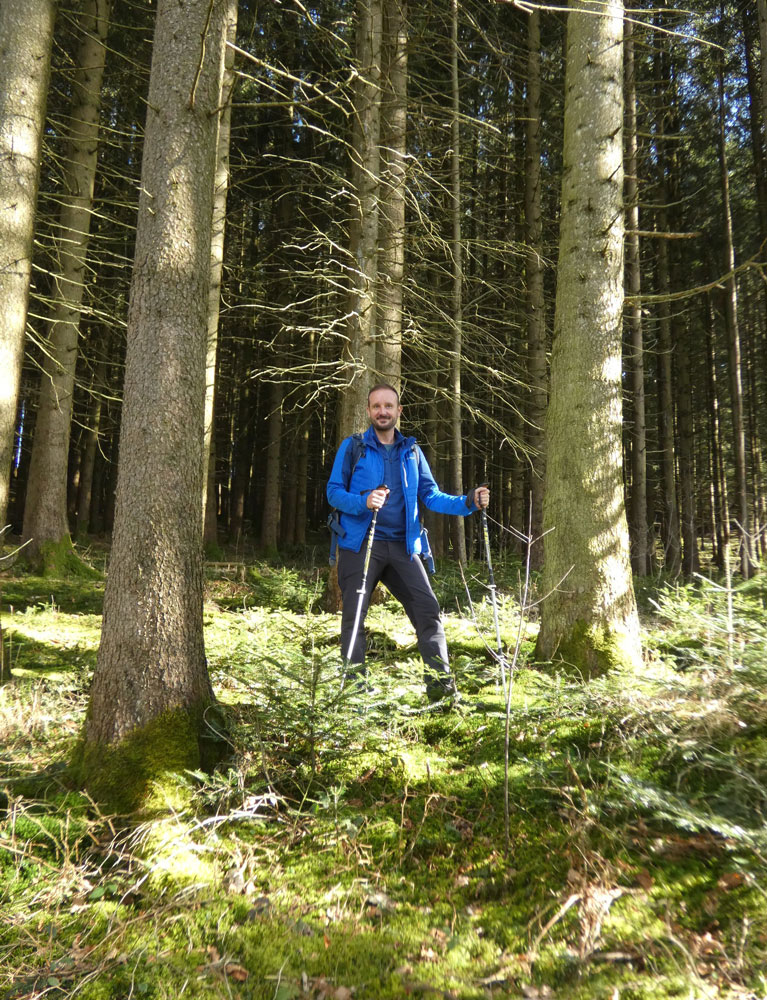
(353, 844)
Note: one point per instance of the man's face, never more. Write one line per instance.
(383, 409)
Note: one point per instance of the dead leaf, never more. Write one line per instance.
(342, 993)
(214, 955)
(731, 880)
(237, 972)
(645, 879)
(428, 954)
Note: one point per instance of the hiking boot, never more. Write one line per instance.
(443, 696)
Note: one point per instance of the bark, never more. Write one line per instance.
(26, 36)
(719, 479)
(690, 554)
(755, 447)
(672, 543)
(761, 8)
(45, 510)
(151, 676)
(734, 353)
(270, 519)
(210, 516)
(242, 438)
(535, 303)
(302, 484)
(589, 618)
(359, 355)
(755, 119)
(457, 528)
(391, 259)
(639, 532)
(90, 447)
(218, 230)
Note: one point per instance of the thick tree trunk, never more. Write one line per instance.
(535, 303)
(639, 533)
(457, 527)
(359, 356)
(391, 259)
(45, 512)
(151, 684)
(589, 618)
(26, 36)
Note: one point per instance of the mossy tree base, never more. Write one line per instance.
(60, 560)
(138, 773)
(592, 650)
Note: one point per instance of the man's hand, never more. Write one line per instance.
(482, 496)
(479, 496)
(377, 497)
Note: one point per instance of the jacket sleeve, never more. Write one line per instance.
(337, 493)
(433, 498)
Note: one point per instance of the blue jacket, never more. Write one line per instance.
(350, 497)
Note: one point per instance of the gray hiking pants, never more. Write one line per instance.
(407, 580)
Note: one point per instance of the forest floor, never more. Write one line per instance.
(357, 847)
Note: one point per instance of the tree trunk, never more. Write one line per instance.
(755, 119)
(218, 230)
(26, 36)
(457, 528)
(535, 302)
(639, 532)
(151, 685)
(359, 354)
(589, 618)
(45, 511)
(734, 353)
(672, 543)
(270, 519)
(391, 259)
(761, 7)
(720, 515)
(690, 554)
(91, 443)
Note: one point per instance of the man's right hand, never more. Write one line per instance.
(377, 497)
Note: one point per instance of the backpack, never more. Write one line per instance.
(353, 455)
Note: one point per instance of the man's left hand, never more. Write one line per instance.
(478, 497)
(482, 496)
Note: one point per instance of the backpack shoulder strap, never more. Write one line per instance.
(356, 451)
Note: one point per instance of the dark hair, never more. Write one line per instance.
(383, 385)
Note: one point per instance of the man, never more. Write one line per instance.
(387, 472)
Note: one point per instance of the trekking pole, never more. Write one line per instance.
(363, 584)
(492, 588)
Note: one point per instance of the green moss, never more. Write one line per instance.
(60, 560)
(138, 772)
(594, 650)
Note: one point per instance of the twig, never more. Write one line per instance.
(203, 46)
